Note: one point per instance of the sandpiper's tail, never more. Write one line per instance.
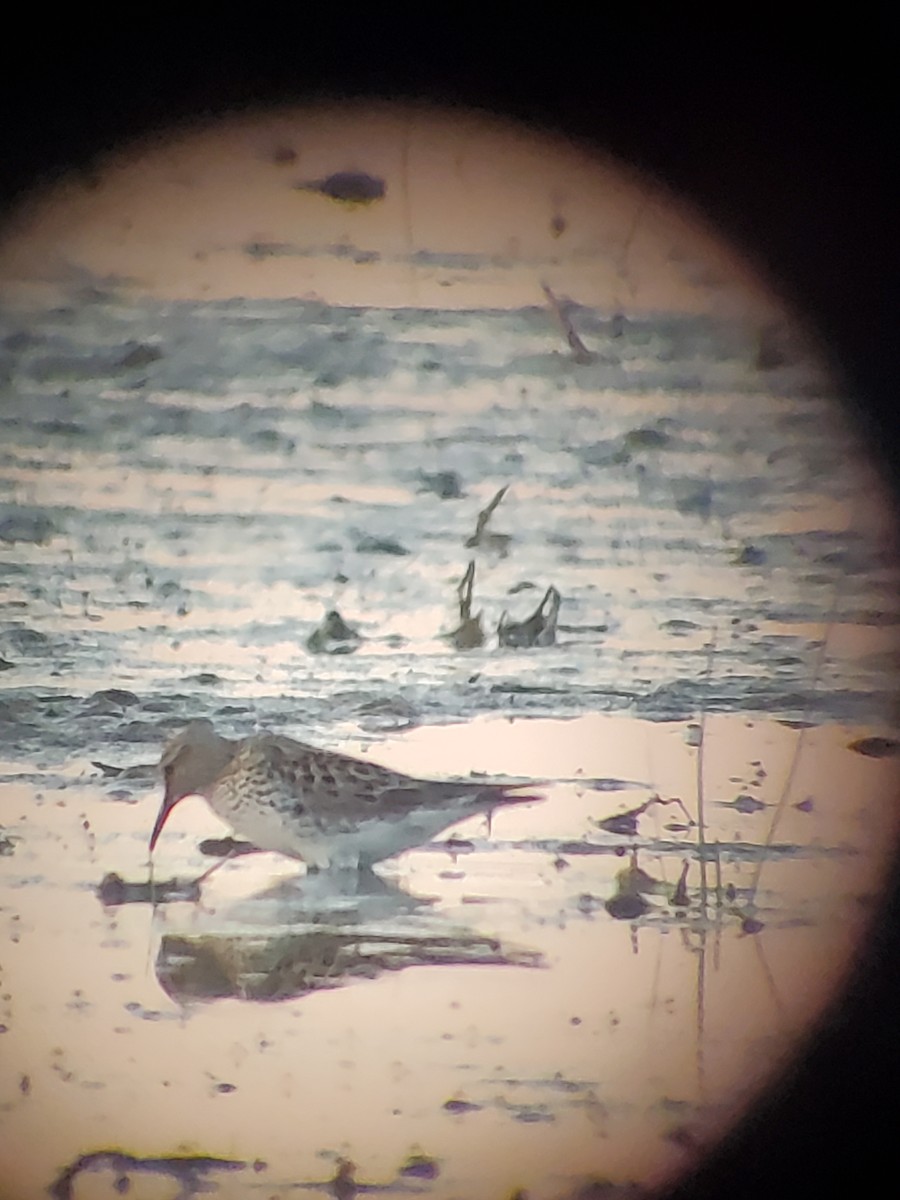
(495, 795)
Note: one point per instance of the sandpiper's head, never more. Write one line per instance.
(191, 763)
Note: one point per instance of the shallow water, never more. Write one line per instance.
(187, 489)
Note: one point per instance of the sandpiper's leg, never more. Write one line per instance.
(211, 870)
(341, 879)
(335, 859)
(236, 851)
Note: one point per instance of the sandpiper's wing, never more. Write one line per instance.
(346, 785)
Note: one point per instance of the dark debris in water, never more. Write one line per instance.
(370, 544)
(876, 747)
(120, 697)
(608, 453)
(458, 1106)
(680, 897)
(445, 485)
(344, 1185)
(530, 1114)
(139, 731)
(30, 643)
(601, 1189)
(633, 884)
(626, 906)
(598, 784)
(333, 636)
(750, 556)
(113, 891)
(554, 1083)
(681, 699)
(346, 187)
(283, 155)
(225, 847)
(647, 438)
(420, 1166)
(141, 772)
(744, 804)
(188, 1170)
(387, 713)
(710, 851)
(139, 354)
(260, 250)
(682, 1137)
(626, 823)
(679, 627)
(26, 525)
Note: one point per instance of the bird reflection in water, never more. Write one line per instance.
(338, 929)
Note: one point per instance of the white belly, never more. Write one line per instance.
(369, 842)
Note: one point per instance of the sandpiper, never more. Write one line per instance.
(330, 810)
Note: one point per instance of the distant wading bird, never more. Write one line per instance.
(328, 809)
(537, 630)
(469, 634)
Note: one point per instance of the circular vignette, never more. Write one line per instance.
(740, 192)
